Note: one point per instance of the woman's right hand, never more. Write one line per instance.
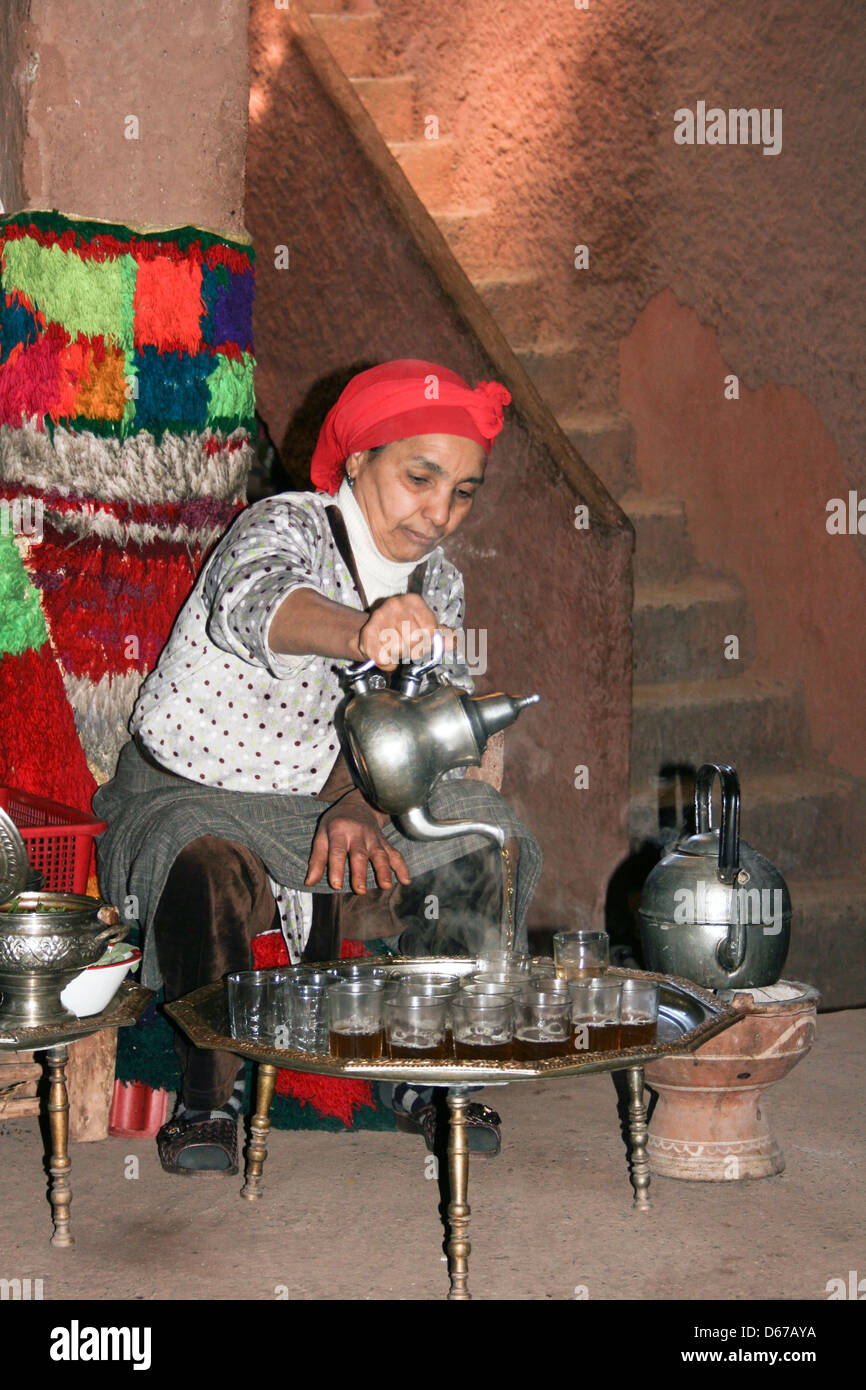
(400, 629)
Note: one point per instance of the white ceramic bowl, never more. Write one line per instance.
(93, 990)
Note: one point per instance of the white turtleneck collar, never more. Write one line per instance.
(380, 577)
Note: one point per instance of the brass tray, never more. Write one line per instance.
(688, 1016)
(127, 1006)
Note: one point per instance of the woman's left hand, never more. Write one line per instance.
(351, 830)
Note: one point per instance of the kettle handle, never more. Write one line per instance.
(729, 831)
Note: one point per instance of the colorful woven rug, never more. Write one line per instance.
(126, 405)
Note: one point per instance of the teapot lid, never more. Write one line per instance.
(14, 863)
(704, 842)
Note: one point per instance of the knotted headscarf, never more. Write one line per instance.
(398, 400)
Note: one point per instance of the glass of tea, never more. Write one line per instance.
(640, 1013)
(581, 955)
(415, 1026)
(258, 1003)
(542, 1025)
(595, 1014)
(482, 1025)
(356, 1025)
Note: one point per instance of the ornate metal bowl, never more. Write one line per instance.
(46, 939)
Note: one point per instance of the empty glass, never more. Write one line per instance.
(595, 1012)
(428, 983)
(308, 1017)
(548, 984)
(415, 1026)
(359, 970)
(312, 975)
(542, 966)
(258, 1004)
(511, 985)
(482, 1025)
(639, 1013)
(581, 955)
(503, 963)
(355, 1018)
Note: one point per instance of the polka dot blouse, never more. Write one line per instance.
(220, 707)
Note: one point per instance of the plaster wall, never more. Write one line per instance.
(552, 602)
(565, 122)
(755, 475)
(179, 68)
(15, 76)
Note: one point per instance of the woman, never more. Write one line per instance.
(215, 813)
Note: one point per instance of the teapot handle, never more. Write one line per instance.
(410, 682)
(729, 831)
(356, 674)
(731, 950)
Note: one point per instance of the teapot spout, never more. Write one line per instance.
(495, 712)
(416, 824)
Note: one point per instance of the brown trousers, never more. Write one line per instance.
(217, 898)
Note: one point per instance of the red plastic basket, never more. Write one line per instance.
(59, 839)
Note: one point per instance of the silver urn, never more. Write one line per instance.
(713, 910)
(46, 939)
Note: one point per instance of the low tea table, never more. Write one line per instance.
(688, 1016)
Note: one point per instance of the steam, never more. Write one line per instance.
(455, 910)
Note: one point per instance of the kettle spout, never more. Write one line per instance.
(416, 824)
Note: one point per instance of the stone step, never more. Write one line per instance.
(749, 721)
(390, 101)
(605, 440)
(315, 8)
(807, 822)
(679, 629)
(354, 41)
(475, 236)
(429, 165)
(828, 939)
(517, 302)
(663, 549)
(570, 381)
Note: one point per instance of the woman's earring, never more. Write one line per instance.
(350, 480)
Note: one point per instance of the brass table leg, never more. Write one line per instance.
(60, 1190)
(637, 1133)
(260, 1126)
(458, 1207)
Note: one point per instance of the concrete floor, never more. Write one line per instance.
(354, 1216)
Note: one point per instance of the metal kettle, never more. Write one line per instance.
(399, 740)
(713, 910)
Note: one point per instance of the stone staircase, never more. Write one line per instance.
(691, 704)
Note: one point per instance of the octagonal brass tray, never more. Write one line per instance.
(127, 1006)
(688, 1016)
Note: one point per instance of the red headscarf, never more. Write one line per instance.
(398, 400)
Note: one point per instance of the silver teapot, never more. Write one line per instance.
(713, 910)
(399, 740)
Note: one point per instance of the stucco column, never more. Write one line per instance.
(126, 395)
